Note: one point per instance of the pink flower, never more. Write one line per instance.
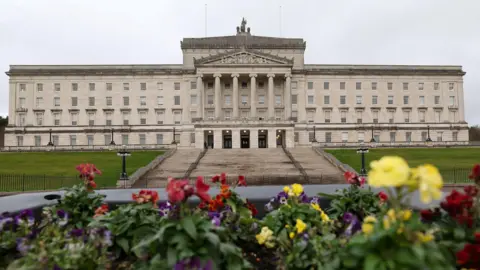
(176, 190)
(202, 189)
(353, 179)
(241, 181)
(382, 196)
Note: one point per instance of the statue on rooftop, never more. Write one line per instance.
(243, 24)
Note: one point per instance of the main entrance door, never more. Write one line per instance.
(227, 141)
(244, 139)
(210, 140)
(262, 138)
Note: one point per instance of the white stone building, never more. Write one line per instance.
(235, 91)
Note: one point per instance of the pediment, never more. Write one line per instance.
(244, 57)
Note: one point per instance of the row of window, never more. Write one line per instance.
(392, 139)
(390, 100)
(407, 116)
(389, 85)
(108, 86)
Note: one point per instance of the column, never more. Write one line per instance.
(217, 95)
(200, 96)
(253, 138)
(217, 139)
(199, 139)
(288, 96)
(235, 95)
(253, 96)
(235, 138)
(272, 138)
(12, 116)
(460, 102)
(290, 138)
(271, 97)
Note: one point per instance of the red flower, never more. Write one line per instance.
(382, 196)
(429, 215)
(100, 211)
(241, 181)
(176, 190)
(145, 196)
(88, 170)
(91, 185)
(223, 178)
(215, 179)
(475, 175)
(462, 257)
(471, 190)
(459, 207)
(252, 208)
(202, 189)
(202, 205)
(477, 237)
(353, 179)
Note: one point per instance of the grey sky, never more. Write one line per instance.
(337, 32)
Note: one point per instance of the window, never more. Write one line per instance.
(405, 100)
(310, 85)
(311, 136)
(193, 99)
(327, 116)
(160, 116)
(343, 116)
(420, 86)
(39, 119)
(91, 101)
(159, 86)
(245, 85)
(159, 100)
(55, 140)
(74, 101)
(390, 86)
(343, 99)
(126, 86)
(278, 99)
(143, 101)
(39, 87)
(294, 99)
(361, 137)
(56, 86)
(295, 137)
(421, 100)
(143, 86)
(455, 136)
(358, 85)
(126, 118)
(142, 138)
(328, 137)
(176, 86)
(436, 86)
(227, 86)
(359, 117)
(108, 118)
(210, 99)
(453, 116)
(159, 138)
(374, 100)
(326, 100)
(91, 86)
(390, 99)
(109, 87)
(176, 100)
(210, 85)
(56, 101)
(405, 86)
(391, 116)
(421, 116)
(358, 100)
(38, 140)
(451, 86)
(56, 119)
(261, 99)
(124, 139)
(406, 116)
(424, 136)
(193, 85)
(210, 115)
(39, 102)
(74, 117)
(89, 139)
(392, 136)
(438, 115)
(228, 100)
(126, 101)
(374, 85)
(311, 116)
(439, 136)
(437, 100)
(23, 87)
(143, 118)
(177, 138)
(326, 85)
(294, 85)
(21, 119)
(408, 136)
(311, 100)
(177, 116)
(91, 119)
(228, 115)
(375, 116)
(21, 102)
(344, 137)
(74, 86)
(19, 140)
(244, 99)
(108, 100)
(342, 87)
(452, 100)
(107, 138)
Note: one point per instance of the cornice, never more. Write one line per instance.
(86, 71)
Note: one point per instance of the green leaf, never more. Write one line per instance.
(189, 227)
(171, 257)
(123, 243)
(459, 234)
(212, 238)
(419, 252)
(232, 205)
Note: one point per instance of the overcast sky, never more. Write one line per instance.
(429, 32)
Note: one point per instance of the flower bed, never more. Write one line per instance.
(360, 230)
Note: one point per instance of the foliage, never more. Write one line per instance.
(13, 227)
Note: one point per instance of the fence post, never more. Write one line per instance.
(44, 182)
(23, 182)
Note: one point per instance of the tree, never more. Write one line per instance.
(474, 133)
(3, 121)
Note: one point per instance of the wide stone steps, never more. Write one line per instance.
(318, 169)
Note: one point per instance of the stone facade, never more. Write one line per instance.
(234, 92)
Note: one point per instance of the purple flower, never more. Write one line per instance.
(305, 236)
(5, 222)
(56, 267)
(353, 224)
(76, 232)
(282, 197)
(25, 215)
(164, 208)
(268, 207)
(107, 238)
(315, 200)
(193, 263)
(22, 246)
(62, 217)
(215, 217)
(303, 198)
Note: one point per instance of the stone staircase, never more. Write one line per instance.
(175, 166)
(318, 169)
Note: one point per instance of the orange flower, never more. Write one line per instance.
(146, 196)
(101, 210)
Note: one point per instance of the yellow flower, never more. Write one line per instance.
(367, 228)
(407, 214)
(400, 229)
(391, 215)
(324, 217)
(389, 171)
(386, 223)
(297, 189)
(370, 219)
(301, 226)
(292, 235)
(429, 182)
(286, 189)
(264, 236)
(287, 226)
(316, 207)
(425, 237)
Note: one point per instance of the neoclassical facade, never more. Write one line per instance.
(238, 91)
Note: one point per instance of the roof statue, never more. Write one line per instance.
(242, 27)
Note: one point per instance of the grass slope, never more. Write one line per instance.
(59, 168)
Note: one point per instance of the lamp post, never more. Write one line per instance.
(50, 143)
(124, 154)
(363, 151)
(314, 135)
(372, 140)
(173, 133)
(112, 142)
(428, 140)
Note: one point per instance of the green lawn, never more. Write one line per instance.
(454, 163)
(47, 170)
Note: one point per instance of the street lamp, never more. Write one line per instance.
(363, 151)
(112, 142)
(428, 140)
(50, 143)
(124, 154)
(173, 133)
(314, 135)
